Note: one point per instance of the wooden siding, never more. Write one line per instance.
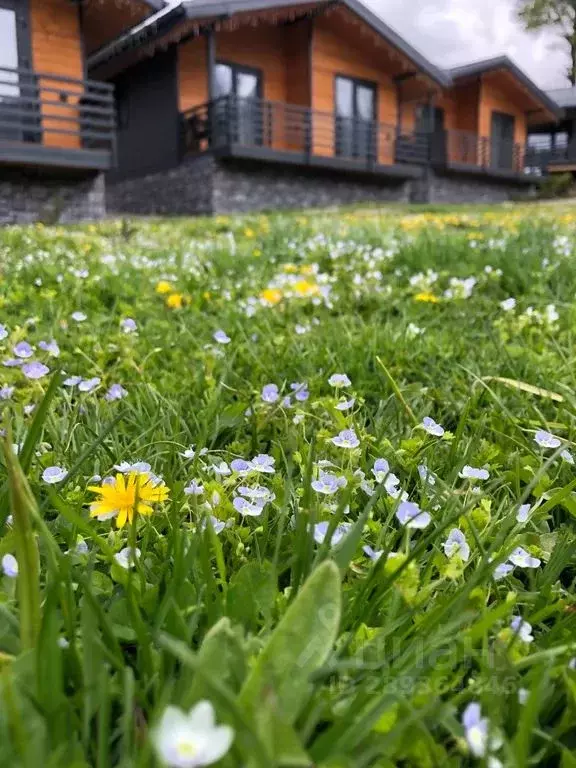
(57, 50)
(192, 74)
(497, 95)
(104, 20)
(335, 53)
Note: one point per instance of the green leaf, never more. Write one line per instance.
(252, 593)
(299, 646)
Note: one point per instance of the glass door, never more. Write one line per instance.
(355, 121)
(16, 90)
(239, 108)
(502, 141)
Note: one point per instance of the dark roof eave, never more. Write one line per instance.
(503, 62)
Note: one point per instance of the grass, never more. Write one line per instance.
(315, 650)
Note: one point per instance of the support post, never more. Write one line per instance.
(211, 62)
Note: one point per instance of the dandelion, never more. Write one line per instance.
(328, 484)
(23, 350)
(175, 301)
(134, 493)
(321, 530)
(270, 393)
(411, 516)
(432, 427)
(128, 325)
(346, 439)
(115, 392)
(221, 337)
(522, 629)
(473, 473)
(524, 559)
(35, 370)
(508, 304)
(79, 317)
(456, 544)
(191, 740)
(523, 513)
(54, 475)
(271, 296)
(546, 439)
(10, 566)
(427, 297)
(163, 287)
(339, 380)
(127, 557)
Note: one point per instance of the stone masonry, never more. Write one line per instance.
(27, 199)
(461, 187)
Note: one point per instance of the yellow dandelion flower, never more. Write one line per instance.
(207, 295)
(290, 268)
(163, 287)
(271, 295)
(249, 232)
(175, 301)
(305, 288)
(127, 495)
(427, 296)
(307, 269)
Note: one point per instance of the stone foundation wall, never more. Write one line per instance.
(207, 185)
(463, 188)
(25, 199)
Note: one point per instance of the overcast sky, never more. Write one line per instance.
(452, 32)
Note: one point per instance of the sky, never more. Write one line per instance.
(453, 32)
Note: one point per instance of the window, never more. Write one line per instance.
(238, 111)
(355, 116)
(8, 54)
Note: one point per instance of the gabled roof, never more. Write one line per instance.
(564, 97)
(503, 62)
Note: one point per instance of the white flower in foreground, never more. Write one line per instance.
(79, 317)
(474, 473)
(410, 515)
(53, 475)
(191, 740)
(456, 544)
(125, 467)
(523, 513)
(346, 439)
(508, 304)
(522, 628)
(221, 337)
(10, 566)
(339, 380)
(523, 695)
(476, 729)
(524, 559)
(127, 557)
(546, 439)
(432, 427)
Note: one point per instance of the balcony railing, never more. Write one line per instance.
(545, 158)
(463, 148)
(304, 132)
(54, 111)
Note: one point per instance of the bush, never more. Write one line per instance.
(556, 185)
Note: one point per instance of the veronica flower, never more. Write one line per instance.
(115, 392)
(346, 439)
(373, 554)
(523, 513)
(432, 427)
(339, 380)
(191, 739)
(78, 317)
(3, 332)
(300, 391)
(567, 456)
(23, 350)
(474, 473)
(508, 304)
(10, 566)
(72, 381)
(194, 489)
(426, 475)
(546, 439)
(51, 347)
(523, 695)
(524, 559)
(411, 516)
(125, 467)
(328, 484)
(247, 508)
(502, 570)
(270, 393)
(89, 385)
(263, 463)
(345, 405)
(128, 325)
(6, 392)
(257, 492)
(221, 337)
(127, 557)
(321, 529)
(222, 469)
(476, 729)
(456, 544)
(53, 475)
(134, 493)
(35, 370)
(217, 525)
(522, 628)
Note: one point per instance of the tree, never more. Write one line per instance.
(557, 14)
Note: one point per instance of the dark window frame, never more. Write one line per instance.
(355, 118)
(356, 81)
(242, 69)
(23, 36)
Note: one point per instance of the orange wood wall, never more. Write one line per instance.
(496, 96)
(57, 50)
(104, 20)
(192, 73)
(333, 54)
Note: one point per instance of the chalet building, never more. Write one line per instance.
(260, 104)
(57, 125)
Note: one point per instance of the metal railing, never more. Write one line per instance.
(253, 123)
(464, 148)
(56, 111)
(545, 158)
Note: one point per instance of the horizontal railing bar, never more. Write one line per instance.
(59, 78)
(84, 108)
(39, 130)
(37, 116)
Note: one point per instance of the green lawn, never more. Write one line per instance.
(313, 473)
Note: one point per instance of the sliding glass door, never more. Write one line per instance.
(239, 115)
(355, 120)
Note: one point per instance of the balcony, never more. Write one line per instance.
(467, 152)
(48, 120)
(287, 133)
(543, 159)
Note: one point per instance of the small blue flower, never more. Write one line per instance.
(270, 393)
(339, 380)
(116, 392)
(51, 347)
(221, 337)
(10, 566)
(411, 516)
(432, 427)
(23, 350)
(522, 628)
(456, 544)
(35, 370)
(346, 439)
(328, 484)
(321, 529)
(53, 475)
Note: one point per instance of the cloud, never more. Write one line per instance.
(451, 32)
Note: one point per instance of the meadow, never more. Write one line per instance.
(289, 491)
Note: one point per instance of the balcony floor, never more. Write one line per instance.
(37, 156)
